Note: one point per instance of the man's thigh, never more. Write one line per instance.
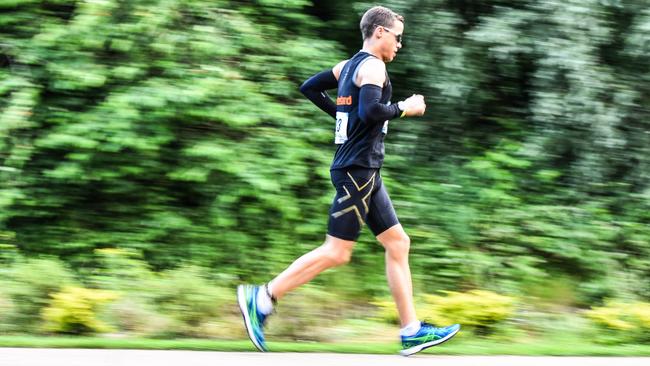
(381, 215)
(351, 206)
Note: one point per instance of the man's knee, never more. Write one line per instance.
(338, 252)
(341, 257)
(398, 247)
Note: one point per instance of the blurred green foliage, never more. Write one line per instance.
(160, 145)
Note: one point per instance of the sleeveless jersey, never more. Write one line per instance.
(360, 143)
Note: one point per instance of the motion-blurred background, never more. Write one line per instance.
(155, 153)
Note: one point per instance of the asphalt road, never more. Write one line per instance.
(92, 357)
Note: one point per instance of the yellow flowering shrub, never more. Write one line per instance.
(479, 309)
(386, 311)
(624, 321)
(73, 310)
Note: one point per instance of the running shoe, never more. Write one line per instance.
(253, 318)
(427, 336)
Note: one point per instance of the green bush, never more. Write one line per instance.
(74, 311)
(7, 309)
(30, 284)
(123, 270)
(621, 322)
(176, 302)
(8, 252)
(135, 317)
(186, 296)
(307, 314)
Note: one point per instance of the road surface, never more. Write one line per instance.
(93, 357)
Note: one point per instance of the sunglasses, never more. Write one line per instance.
(398, 37)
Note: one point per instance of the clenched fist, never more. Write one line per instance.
(414, 105)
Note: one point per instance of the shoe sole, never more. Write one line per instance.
(243, 307)
(423, 346)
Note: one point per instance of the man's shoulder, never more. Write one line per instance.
(372, 71)
(338, 67)
(373, 64)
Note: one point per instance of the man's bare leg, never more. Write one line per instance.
(255, 302)
(332, 253)
(398, 272)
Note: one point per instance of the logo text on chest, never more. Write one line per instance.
(344, 100)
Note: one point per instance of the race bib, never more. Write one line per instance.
(384, 129)
(341, 132)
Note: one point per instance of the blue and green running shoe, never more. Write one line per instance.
(253, 318)
(427, 336)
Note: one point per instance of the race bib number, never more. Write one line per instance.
(341, 132)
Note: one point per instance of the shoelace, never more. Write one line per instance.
(274, 301)
(427, 324)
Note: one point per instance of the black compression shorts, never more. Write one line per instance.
(361, 198)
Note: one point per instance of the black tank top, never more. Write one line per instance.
(360, 143)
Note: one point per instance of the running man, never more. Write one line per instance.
(362, 112)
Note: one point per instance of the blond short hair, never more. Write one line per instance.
(375, 16)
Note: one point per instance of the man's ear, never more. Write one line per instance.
(379, 31)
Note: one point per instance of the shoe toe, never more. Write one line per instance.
(451, 329)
